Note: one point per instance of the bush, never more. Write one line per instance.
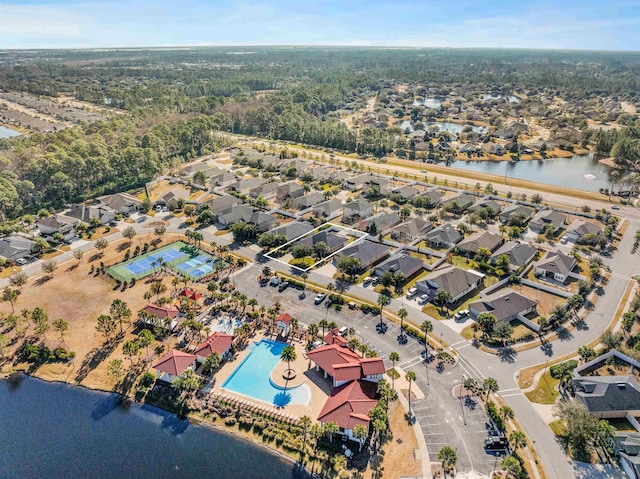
(230, 421)
(304, 262)
(556, 368)
(61, 354)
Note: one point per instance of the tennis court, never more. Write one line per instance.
(182, 258)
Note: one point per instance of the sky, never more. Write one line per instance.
(558, 24)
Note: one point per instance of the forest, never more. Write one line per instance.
(174, 100)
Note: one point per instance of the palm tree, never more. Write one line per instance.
(157, 288)
(402, 314)
(507, 413)
(360, 432)
(304, 277)
(330, 429)
(426, 327)
(305, 424)
(147, 296)
(323, 323)
(518, 440)
(448, 457)
(490, 385)
(383, 300)
(394, 357)
(288, 354)
(410, 376)
(312, 331)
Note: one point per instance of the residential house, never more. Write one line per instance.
(515, 210)
(16, 247)
(223, 179)
(627, 446)
(383, 223)
(555, 265)
(356, 183)
(404, 193)
(86, 213)
(327, 208)
(246, 185)
(480, 240)
(432, 196)
(411, 230)
(547, 219)
(580, 228)
(493, 148)
(356, 211)
(289, 190)
(367, 252)
(381, 184)
(154, 315)
(236, 214)
(309, 200)
(218, 342)
(463, 200)
(609, 397)
(170, 366)
(121, 202)
(486, 205)
(319, 173)
(62, 224)
(407, 265)
(293, 229)
(445, 235)
(222, 203)
(332, 240)
(456, 281)
(519, 254)
(505, 305)
(468, 149)
(266, 191)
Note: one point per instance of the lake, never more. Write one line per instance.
(580, 171)
(497, 96)
(54, 430)
(428, 102)
(8, 132)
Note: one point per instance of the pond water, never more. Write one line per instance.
(55, 431)
(580, 171)
(497, 96)
(8, 132)
(428, 102)
(455, 128)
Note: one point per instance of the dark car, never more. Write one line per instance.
(284, 285)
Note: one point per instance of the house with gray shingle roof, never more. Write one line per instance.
(405, 193)
(513, 210)
(293, 230)
(432, 196)
(547, 218)
(332, 240)
(445, 235)
(308, 200)
(519, 254)
(494, 206)
(240, 213)
(328, 208)
(580, 228)
(367, 252)
(15, 247)
(121, 202)
(384, 222)
(289, 190)
(456, 281)
(247, 184)
(411, 230)
(555, 265)
(481, 239)
(400, 262)
(356, 211)
(506, 305)
(266, 191)
(463, 200)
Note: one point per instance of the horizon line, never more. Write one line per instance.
(292, 45)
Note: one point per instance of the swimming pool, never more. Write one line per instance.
(252, 377)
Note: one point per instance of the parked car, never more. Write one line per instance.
(367, 281)
(343, 330)
(21, 261)
(412, 292)
(284, 285)
(564, 240)
(320, 298)
(113, 223)
(423, 298)
(274, 281)
(615, 207)
(352, 305)
(463, 313)
(375, 281)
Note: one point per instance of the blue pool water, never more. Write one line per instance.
(252, 377)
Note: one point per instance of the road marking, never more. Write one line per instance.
(459, 342)
(508, 390)
(514, 394)
(462, 347)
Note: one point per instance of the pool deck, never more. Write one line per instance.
(320, 388)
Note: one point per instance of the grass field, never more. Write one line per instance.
(545, 392)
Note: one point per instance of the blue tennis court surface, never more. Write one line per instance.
(182, 258)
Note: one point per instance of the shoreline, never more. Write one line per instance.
(194, 419)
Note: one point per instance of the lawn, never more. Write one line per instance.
(545, 392)
(425, 257)
(558, 428)
(461, 262)
(546, 301)
(435, 311)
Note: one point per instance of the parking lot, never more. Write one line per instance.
(443, 418)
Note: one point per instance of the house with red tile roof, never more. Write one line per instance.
(154, 315)
(218, 342)
(349, 406)
(282, 323)
(334, 337)
(344, 365)
(190, 294)
(170, 366)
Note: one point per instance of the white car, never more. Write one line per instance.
(367, 281)
(463, 313)
(21, 261)
(412, 292)
(423, 298)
